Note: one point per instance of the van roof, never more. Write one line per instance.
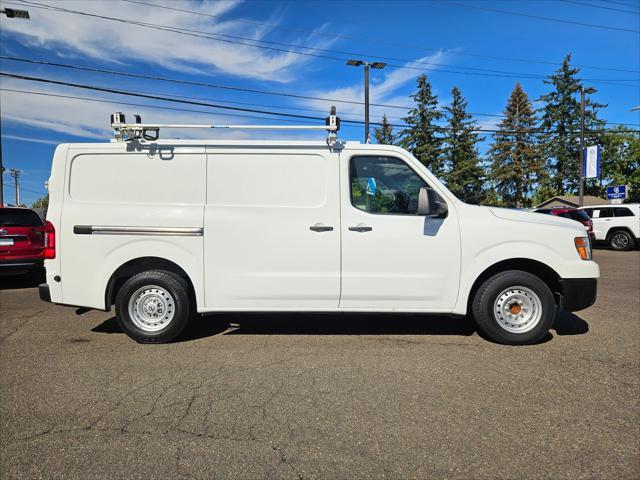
(226, 143)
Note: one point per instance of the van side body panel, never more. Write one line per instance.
(55, 186)
(272, 229)
(488, 239)
(120, 205)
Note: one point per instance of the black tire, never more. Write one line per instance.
(621, 240)
(485, 309)
(172, 297)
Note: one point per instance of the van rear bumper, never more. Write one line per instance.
(578, 293)
(45, 294)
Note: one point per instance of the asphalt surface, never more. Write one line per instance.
(322, 396)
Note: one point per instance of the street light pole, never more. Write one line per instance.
(366, 103)
(367, 65)
(23, 15)
(581, 162)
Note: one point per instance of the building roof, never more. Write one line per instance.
(573, 201)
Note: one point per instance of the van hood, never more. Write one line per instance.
(533, 217)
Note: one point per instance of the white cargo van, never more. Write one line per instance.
(166, 228)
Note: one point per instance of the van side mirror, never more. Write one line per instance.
(429, 203)
(423, 201)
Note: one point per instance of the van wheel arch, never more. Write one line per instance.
(139, 265)
(547, 274)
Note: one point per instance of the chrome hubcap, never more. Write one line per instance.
(151, 308)
(517, 309)
(620, 240)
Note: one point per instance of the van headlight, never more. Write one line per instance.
(583, 247)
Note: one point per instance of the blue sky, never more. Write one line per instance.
(441, 35)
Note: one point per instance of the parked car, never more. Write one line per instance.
(22, 237)
(618, 225)
(573, 214)
(165, 228)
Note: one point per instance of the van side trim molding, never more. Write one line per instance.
(157, 231)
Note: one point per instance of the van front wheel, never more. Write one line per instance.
(153, 306)
(514, 308)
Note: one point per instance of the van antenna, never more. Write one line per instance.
(126, 132)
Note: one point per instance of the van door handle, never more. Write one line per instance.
(360, 228)
(318, 227)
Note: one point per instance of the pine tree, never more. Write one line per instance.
(465, 176)
(423, 136)
(384, 134)
(516, 164)
(560, 121)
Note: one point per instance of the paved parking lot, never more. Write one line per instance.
(322, 396)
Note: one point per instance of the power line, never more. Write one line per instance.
(537, 17)
(289, 115)
(7, 184)
(625, 4)
(210, 85)
(241, 89)
(256, 44)
(601, 7)
(144, 105)
(365, 40)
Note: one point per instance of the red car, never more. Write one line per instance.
(22, 240)
(573, 214)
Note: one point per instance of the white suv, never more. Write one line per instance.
(619, 225)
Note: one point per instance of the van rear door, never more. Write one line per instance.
(272, 229)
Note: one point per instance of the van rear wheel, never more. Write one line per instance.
(514, 308)
(153, 306)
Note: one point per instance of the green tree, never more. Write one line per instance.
(423, 136)
(464, 174)
(384, 133)
(560, 122)
(619, 163)
(516, 167)
(42, 202)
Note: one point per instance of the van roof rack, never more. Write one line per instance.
(126, 132)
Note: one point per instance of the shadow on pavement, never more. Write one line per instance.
(570, 324)
(315, 324)
(339, 324)
(22, 280)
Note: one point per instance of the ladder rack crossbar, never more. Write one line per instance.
(149, 126)
(127, 132)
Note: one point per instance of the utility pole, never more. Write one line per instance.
(1, 168)
(581, 162)
(22, 15)
(15, 173)
(367, 65)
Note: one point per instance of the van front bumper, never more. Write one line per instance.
(577, 293)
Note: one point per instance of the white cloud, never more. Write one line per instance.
(30, 139)
(384, 91)
(489, 123)
(69, 117)
(71, 34)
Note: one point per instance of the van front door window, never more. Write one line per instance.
(384, 185)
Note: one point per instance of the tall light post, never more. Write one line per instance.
(581, 162)
(24, 15)
(367, 65)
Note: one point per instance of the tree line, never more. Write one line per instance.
(533, 155)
